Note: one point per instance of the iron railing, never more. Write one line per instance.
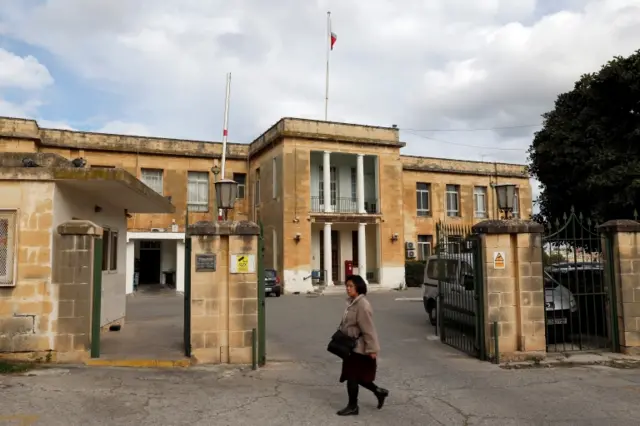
(373, 275)
(460, 288)
(344, 205)
(578, 294)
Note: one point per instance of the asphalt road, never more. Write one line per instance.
(430, 383)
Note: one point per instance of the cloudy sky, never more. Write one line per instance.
(461, 78)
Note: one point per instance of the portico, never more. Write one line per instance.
(344, 183)
(334, 244)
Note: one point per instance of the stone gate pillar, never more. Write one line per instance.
(513, 286)
(224, 291)
(73, 248)
(621, 246)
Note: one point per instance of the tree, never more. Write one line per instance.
(587, 154)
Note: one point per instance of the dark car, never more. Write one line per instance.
(272, 283)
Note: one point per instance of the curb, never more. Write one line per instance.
(139, 363)
(575, 360)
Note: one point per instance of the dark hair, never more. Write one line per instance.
(358, 282)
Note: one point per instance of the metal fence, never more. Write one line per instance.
(344, 205)
(457, 269)
(577, 292)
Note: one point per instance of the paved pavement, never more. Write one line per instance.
(431, 384)
(153, 328)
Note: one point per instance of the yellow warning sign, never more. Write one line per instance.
(242, 264)
(499, 260)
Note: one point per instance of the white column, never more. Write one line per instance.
(326, 176)
(360, 183)
(180, 267)
(362, 251)
(130, 266)
(327, 254)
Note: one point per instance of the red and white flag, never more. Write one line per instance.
(334, 38)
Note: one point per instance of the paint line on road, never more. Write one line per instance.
(408, 299)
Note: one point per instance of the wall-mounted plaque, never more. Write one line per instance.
(205, 262)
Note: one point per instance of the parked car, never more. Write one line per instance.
(458, 290)
(272, 283)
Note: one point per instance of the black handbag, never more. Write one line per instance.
(341, 344)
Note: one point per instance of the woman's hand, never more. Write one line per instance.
(373, 355)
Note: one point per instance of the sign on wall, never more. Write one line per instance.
(205, 262)
(499, 260)
(243, 263)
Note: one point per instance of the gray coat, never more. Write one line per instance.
(358, 321)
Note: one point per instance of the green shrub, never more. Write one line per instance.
(414, 272)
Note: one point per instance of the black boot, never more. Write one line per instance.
(352, 408)
(381, 394)
(349, 411)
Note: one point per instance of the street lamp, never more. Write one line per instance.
(505, 194)
(226, 193)
(216, 171)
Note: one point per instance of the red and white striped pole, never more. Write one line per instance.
(225, 134)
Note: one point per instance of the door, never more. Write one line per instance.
(149, 262)
(335, 255)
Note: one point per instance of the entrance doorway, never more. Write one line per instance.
(335, 254)
(149, 263)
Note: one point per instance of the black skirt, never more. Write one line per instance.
(359, 368)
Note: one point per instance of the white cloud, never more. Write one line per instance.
(24, 77)
(49, 124)
(442, 64)
(22, 72)
(123, 128)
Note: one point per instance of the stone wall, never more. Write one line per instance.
(27, 302)
(624, 238)
(224, 303)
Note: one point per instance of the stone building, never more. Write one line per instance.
(41, 294)
(326, 194)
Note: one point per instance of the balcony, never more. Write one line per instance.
(344, 205)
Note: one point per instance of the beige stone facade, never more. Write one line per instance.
(380, 199)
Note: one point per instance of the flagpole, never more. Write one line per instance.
(225, 131)
(225, 134)
(326, 92)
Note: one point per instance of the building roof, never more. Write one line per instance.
(118, 187)
(287, 127)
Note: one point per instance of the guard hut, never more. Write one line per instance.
(52, 211)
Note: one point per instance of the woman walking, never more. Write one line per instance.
(359, 369)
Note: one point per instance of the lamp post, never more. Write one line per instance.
(216, 171)
(505, 194)
(226, 193)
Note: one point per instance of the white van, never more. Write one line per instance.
(457, 280)
(456, 273)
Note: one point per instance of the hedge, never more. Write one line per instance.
(414, 272)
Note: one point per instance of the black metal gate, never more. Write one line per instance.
(186, 321)
(578, 293)
(458, 269)
(262, 320)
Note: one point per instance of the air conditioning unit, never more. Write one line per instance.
(411, 254)
(409, 245)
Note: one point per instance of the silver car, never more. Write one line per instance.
(457, 281)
